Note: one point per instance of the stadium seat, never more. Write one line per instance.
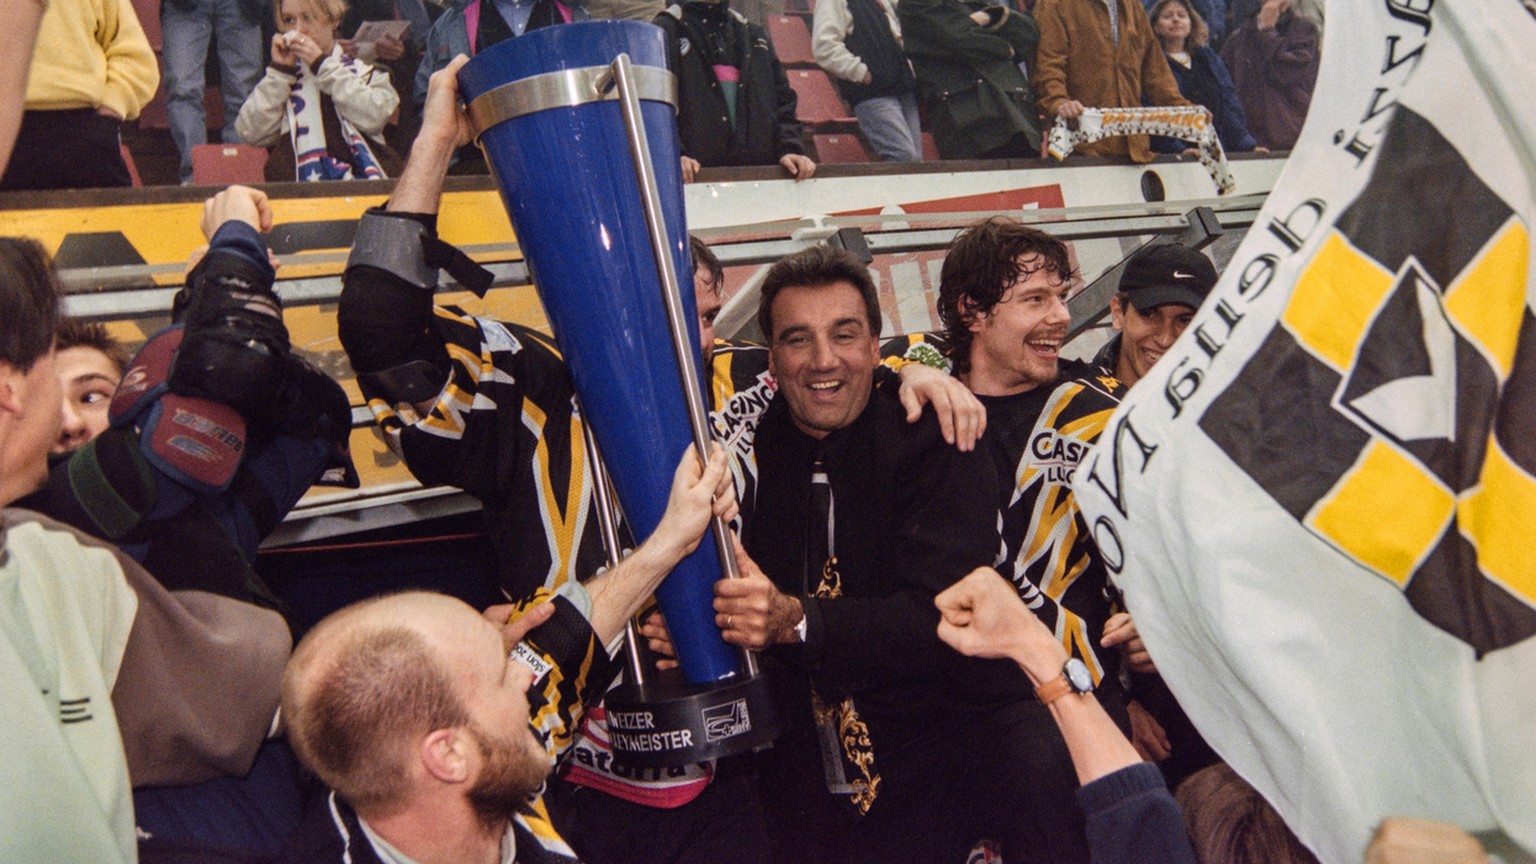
(833, 149)
(819, 102)
(222, 164)
(153, 116)
(930, 149)
(791, 40)
(148, 12)
(133, 170)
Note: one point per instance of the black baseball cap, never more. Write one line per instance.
(1167, 273)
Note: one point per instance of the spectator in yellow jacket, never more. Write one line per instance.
(92, 69)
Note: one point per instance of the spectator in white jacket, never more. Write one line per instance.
(322, 112)
(858, 43)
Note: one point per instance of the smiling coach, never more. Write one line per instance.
(897, 747)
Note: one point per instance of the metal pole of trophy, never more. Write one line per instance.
(608, 526)
(677, 317)
(577, 124)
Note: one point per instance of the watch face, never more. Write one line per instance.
(1078, 675)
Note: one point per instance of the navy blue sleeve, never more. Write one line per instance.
(1133, 818)
(1162, 143)
(1231, 120)
(242, 239)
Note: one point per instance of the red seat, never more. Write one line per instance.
(819, 102)
(133, 170)
(213, 107)
(153, 116)
(222, 164)
(930, 149)
(839, 149)
(148, 12)
(791, 40)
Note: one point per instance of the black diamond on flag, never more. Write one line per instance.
(1515, 422)
(1423, 201)
(1450, 592)
(1296, 454)
(1419, 383)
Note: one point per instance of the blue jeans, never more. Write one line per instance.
(890, 123)
(241, 64)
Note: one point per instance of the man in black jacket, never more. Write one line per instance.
(967, 55)
(896, 748)
(488, 406)
(734, 103)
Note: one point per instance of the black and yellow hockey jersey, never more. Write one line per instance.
(1039, 437)
(506, 429)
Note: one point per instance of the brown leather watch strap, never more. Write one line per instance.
(1054, 689)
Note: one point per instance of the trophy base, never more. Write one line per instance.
(667, 723)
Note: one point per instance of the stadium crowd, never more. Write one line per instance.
(1006, 707)
(327, 90)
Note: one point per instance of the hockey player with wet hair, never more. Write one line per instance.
(1002, 298)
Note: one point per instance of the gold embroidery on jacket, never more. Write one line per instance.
(854, 773)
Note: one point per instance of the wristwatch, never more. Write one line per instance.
(1075, 678)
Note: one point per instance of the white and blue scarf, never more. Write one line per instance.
(307, 129)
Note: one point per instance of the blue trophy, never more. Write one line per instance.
(578, 125)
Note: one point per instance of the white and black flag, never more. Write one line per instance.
(1321, 503)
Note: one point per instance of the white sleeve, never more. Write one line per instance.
(362, 93)
(265, 111)
(829, 35)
